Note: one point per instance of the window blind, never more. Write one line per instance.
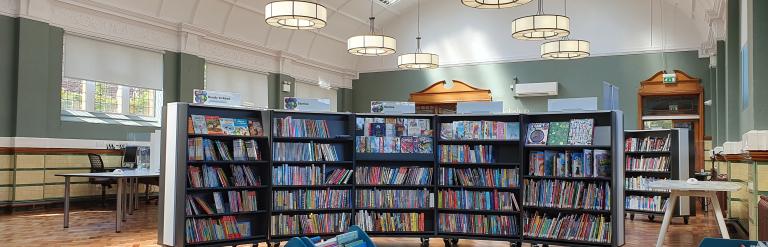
(96, 60)
(313, 91)
(251, 86)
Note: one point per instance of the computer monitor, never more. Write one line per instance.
(129, 156)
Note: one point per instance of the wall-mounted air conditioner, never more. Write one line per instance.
(536, 89)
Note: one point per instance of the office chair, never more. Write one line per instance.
(97, 165)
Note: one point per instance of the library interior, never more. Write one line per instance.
(358, 123)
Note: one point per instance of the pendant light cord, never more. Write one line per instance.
(565, 13)
(418, 25)
(372, 19)
(541, 7)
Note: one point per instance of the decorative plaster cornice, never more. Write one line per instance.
(716, 19)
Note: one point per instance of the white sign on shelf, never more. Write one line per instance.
(480, 107)
(207, 97)
(394, 107)
(301, 104)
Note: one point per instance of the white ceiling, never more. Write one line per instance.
(460, 35)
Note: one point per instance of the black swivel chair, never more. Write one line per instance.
(97, 165)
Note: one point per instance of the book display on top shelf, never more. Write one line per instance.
(652, 155)
(215, 187)
(312, 174)
(573, 173)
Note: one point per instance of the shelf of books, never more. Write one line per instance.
(652, 155)
(572, 178)
(215, 180)
(478, 177)
(312, 174)
(394, 167)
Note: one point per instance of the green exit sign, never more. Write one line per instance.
(669, 78)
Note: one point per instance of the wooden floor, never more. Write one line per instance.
(94, 226)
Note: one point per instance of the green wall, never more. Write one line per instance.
(732, 70)
(9, 31)
(759, 63)
(577, 78)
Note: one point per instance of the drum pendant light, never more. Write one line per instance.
(566, 48)
(418, 60)
(494, 4)
(371, 44)
(540, 26)
(295, 15)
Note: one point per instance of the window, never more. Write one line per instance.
(101, 100)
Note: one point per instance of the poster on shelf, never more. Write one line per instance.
(480, 107)
(393, 107)
(207, 97)
(303, 104)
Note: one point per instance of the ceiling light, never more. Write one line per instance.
(371, 44)
(295, 15)
(565, 49)
(494, 4)
(418, 60)
(540, 26)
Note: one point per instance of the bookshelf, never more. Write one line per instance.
(395, 158)
(313, 157)
(495, 138)
(601, 148)
(216, 175)
(653, 155)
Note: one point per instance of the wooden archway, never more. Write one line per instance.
(437, 98)
(686, 89)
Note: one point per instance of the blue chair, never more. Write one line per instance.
(310, 242)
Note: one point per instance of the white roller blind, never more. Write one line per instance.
(90, 59)
(311, 91)
(251, 86)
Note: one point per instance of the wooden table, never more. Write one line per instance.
(707, 189)
(129, 176)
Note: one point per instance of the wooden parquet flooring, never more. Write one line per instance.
(94, 226)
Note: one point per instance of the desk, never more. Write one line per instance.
(707, 189)
(130, 176)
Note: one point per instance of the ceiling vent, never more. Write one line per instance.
(388, 2)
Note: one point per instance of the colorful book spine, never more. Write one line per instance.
(480, 130)
(304, 152)
(309, 175)
(390, 222)
(395, 199)
(505, 225)
(290, 127)
(207, 177)
(578, 227)
(647, 144)
(466, 154)
(405, 144)
(310, 224)
(382, 175)
(477, 200)
(567, 194)
(311, 199)
(647, 203)
(643, 163)
(244, 175)
(225, 228)
(481, 177)
(641, 183)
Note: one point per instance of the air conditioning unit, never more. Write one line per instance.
(536, 89)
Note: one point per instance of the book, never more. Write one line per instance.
(647, 203)
(466, 153)
(254, 128)
(478, 177)
(311, 199)
(190, 126)
(308, 224)
(381, 175)
(581, 131)
(446, 131)
(290, 127)
(213, 125)
(390, 221)
(536, 163)
(550, 163)
(477, 200)
(482, 130)
(199, 123)
(602, 163)
(241, 127)
(500, 225)
(537, 133)
(577, 164)
(562, 165)
(228, 125)
(589, 170)
(567, 194)
(309, 175)
(211, 229)
(375, 198)
(579, 227)
(282, 151)
(558, 133)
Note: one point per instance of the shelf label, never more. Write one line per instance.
(393, 107)
(302, 104)
(207, 97)
(480, 107)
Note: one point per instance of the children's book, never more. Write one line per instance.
(577, 164)
(558, 133)
(255, 129)
(458, 132)
(537, 134)
(602, 163)
(199, 124)
(228, 125)
(562, 165)
(446, 131)
(588, 165)
(378, 129)
(550, 158)
(536, 163)
(425, 145)
(406, 144)
(581, 131)
(513, 131)
(241, 127)
(213, 125)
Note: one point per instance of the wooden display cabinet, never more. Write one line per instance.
(674, 105)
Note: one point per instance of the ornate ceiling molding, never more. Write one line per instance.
(715, 18)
